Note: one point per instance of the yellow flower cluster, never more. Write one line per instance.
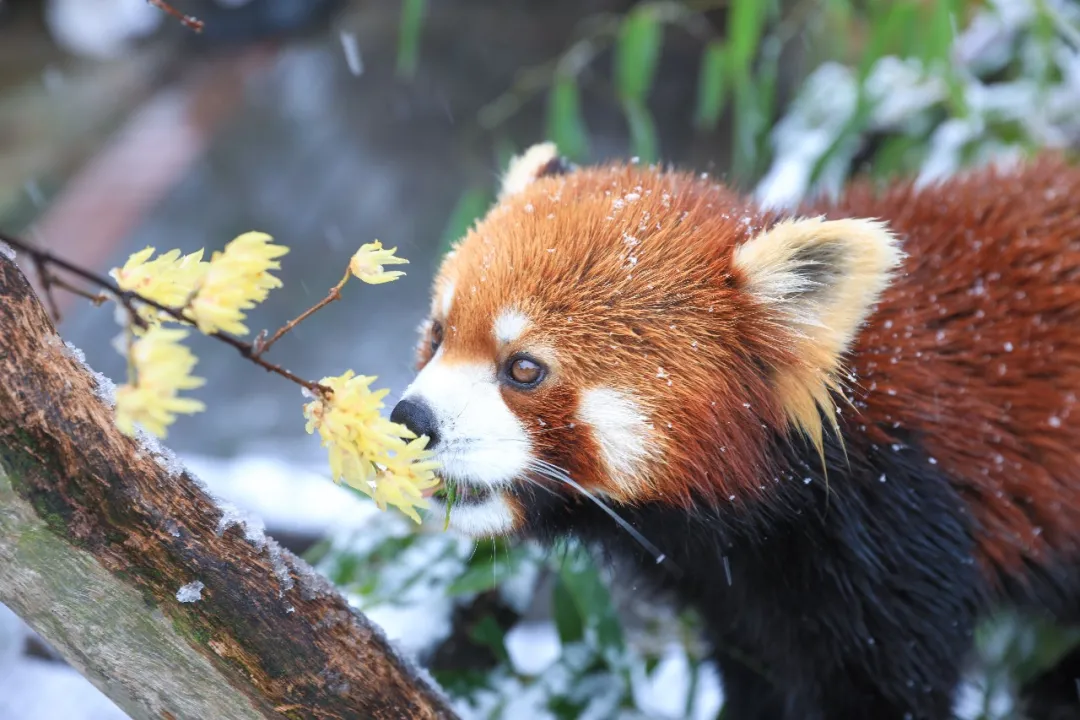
(382, 459)
(238, 279)
(168, 279)
(211, 294)
(163, 368)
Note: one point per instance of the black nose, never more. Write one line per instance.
(417, 416)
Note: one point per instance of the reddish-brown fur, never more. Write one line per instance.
(628, 282)
(978, 347)
(682, 277)
(934, 357)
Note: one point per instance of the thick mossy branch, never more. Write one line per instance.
(98, 532)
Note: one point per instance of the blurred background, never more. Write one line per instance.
(331, 123)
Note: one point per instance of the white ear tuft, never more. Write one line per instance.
(822, 278)
(536, 162)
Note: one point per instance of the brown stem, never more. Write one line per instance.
(96, 298)
(188, 21)
(128, 299)
(47, 285)
(261, 346)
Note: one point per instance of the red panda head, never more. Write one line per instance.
(640, 332)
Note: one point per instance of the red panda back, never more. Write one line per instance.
(976, 346)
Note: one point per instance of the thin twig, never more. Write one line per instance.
(189, 21)
(128, 299)
(97, 299)
(260, 345)
(47, 287)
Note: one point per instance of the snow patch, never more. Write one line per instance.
(298, 498)
(191, 592)
(533, 646)
(254, 528)
(277, 562)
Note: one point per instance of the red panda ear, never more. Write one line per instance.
(821, 279)
(538, 161)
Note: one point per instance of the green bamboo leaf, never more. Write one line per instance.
(895, 156)
(765, 86)
(488, 633)
(939, 34)
(746, 22)
(747, 126)
(887, 24)
(637, 52)
(643, 140)
(712, 86)
(565, 123)
(412, 24)
(580, 579)
(568, 619)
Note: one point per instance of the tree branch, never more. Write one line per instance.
(99, 531)
(44, 261)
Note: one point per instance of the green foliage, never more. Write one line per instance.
(712, 85)
(643, 140)
(938, 114)
(746, 19)
(565, 122)
(412, 25)
(482, 570)
(391, 567)
(637, 53)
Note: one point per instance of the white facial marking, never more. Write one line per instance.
(509, 326)
(480, 440)
(491, 517)
(446, 300)
(620, 429)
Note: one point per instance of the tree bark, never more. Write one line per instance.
(99, 532)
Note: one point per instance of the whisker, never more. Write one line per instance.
(543, 487)
(554, 472)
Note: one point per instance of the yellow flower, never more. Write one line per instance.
(162, 368)
(238, 278)
(368, 452)
(168, 279)
(367, 264)
(405, 475)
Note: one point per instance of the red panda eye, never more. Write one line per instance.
(525, 371)
(436, 335)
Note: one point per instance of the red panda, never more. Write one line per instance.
(847, 433)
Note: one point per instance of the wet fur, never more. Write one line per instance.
(859, 602)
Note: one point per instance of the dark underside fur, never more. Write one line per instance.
(863, 606)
